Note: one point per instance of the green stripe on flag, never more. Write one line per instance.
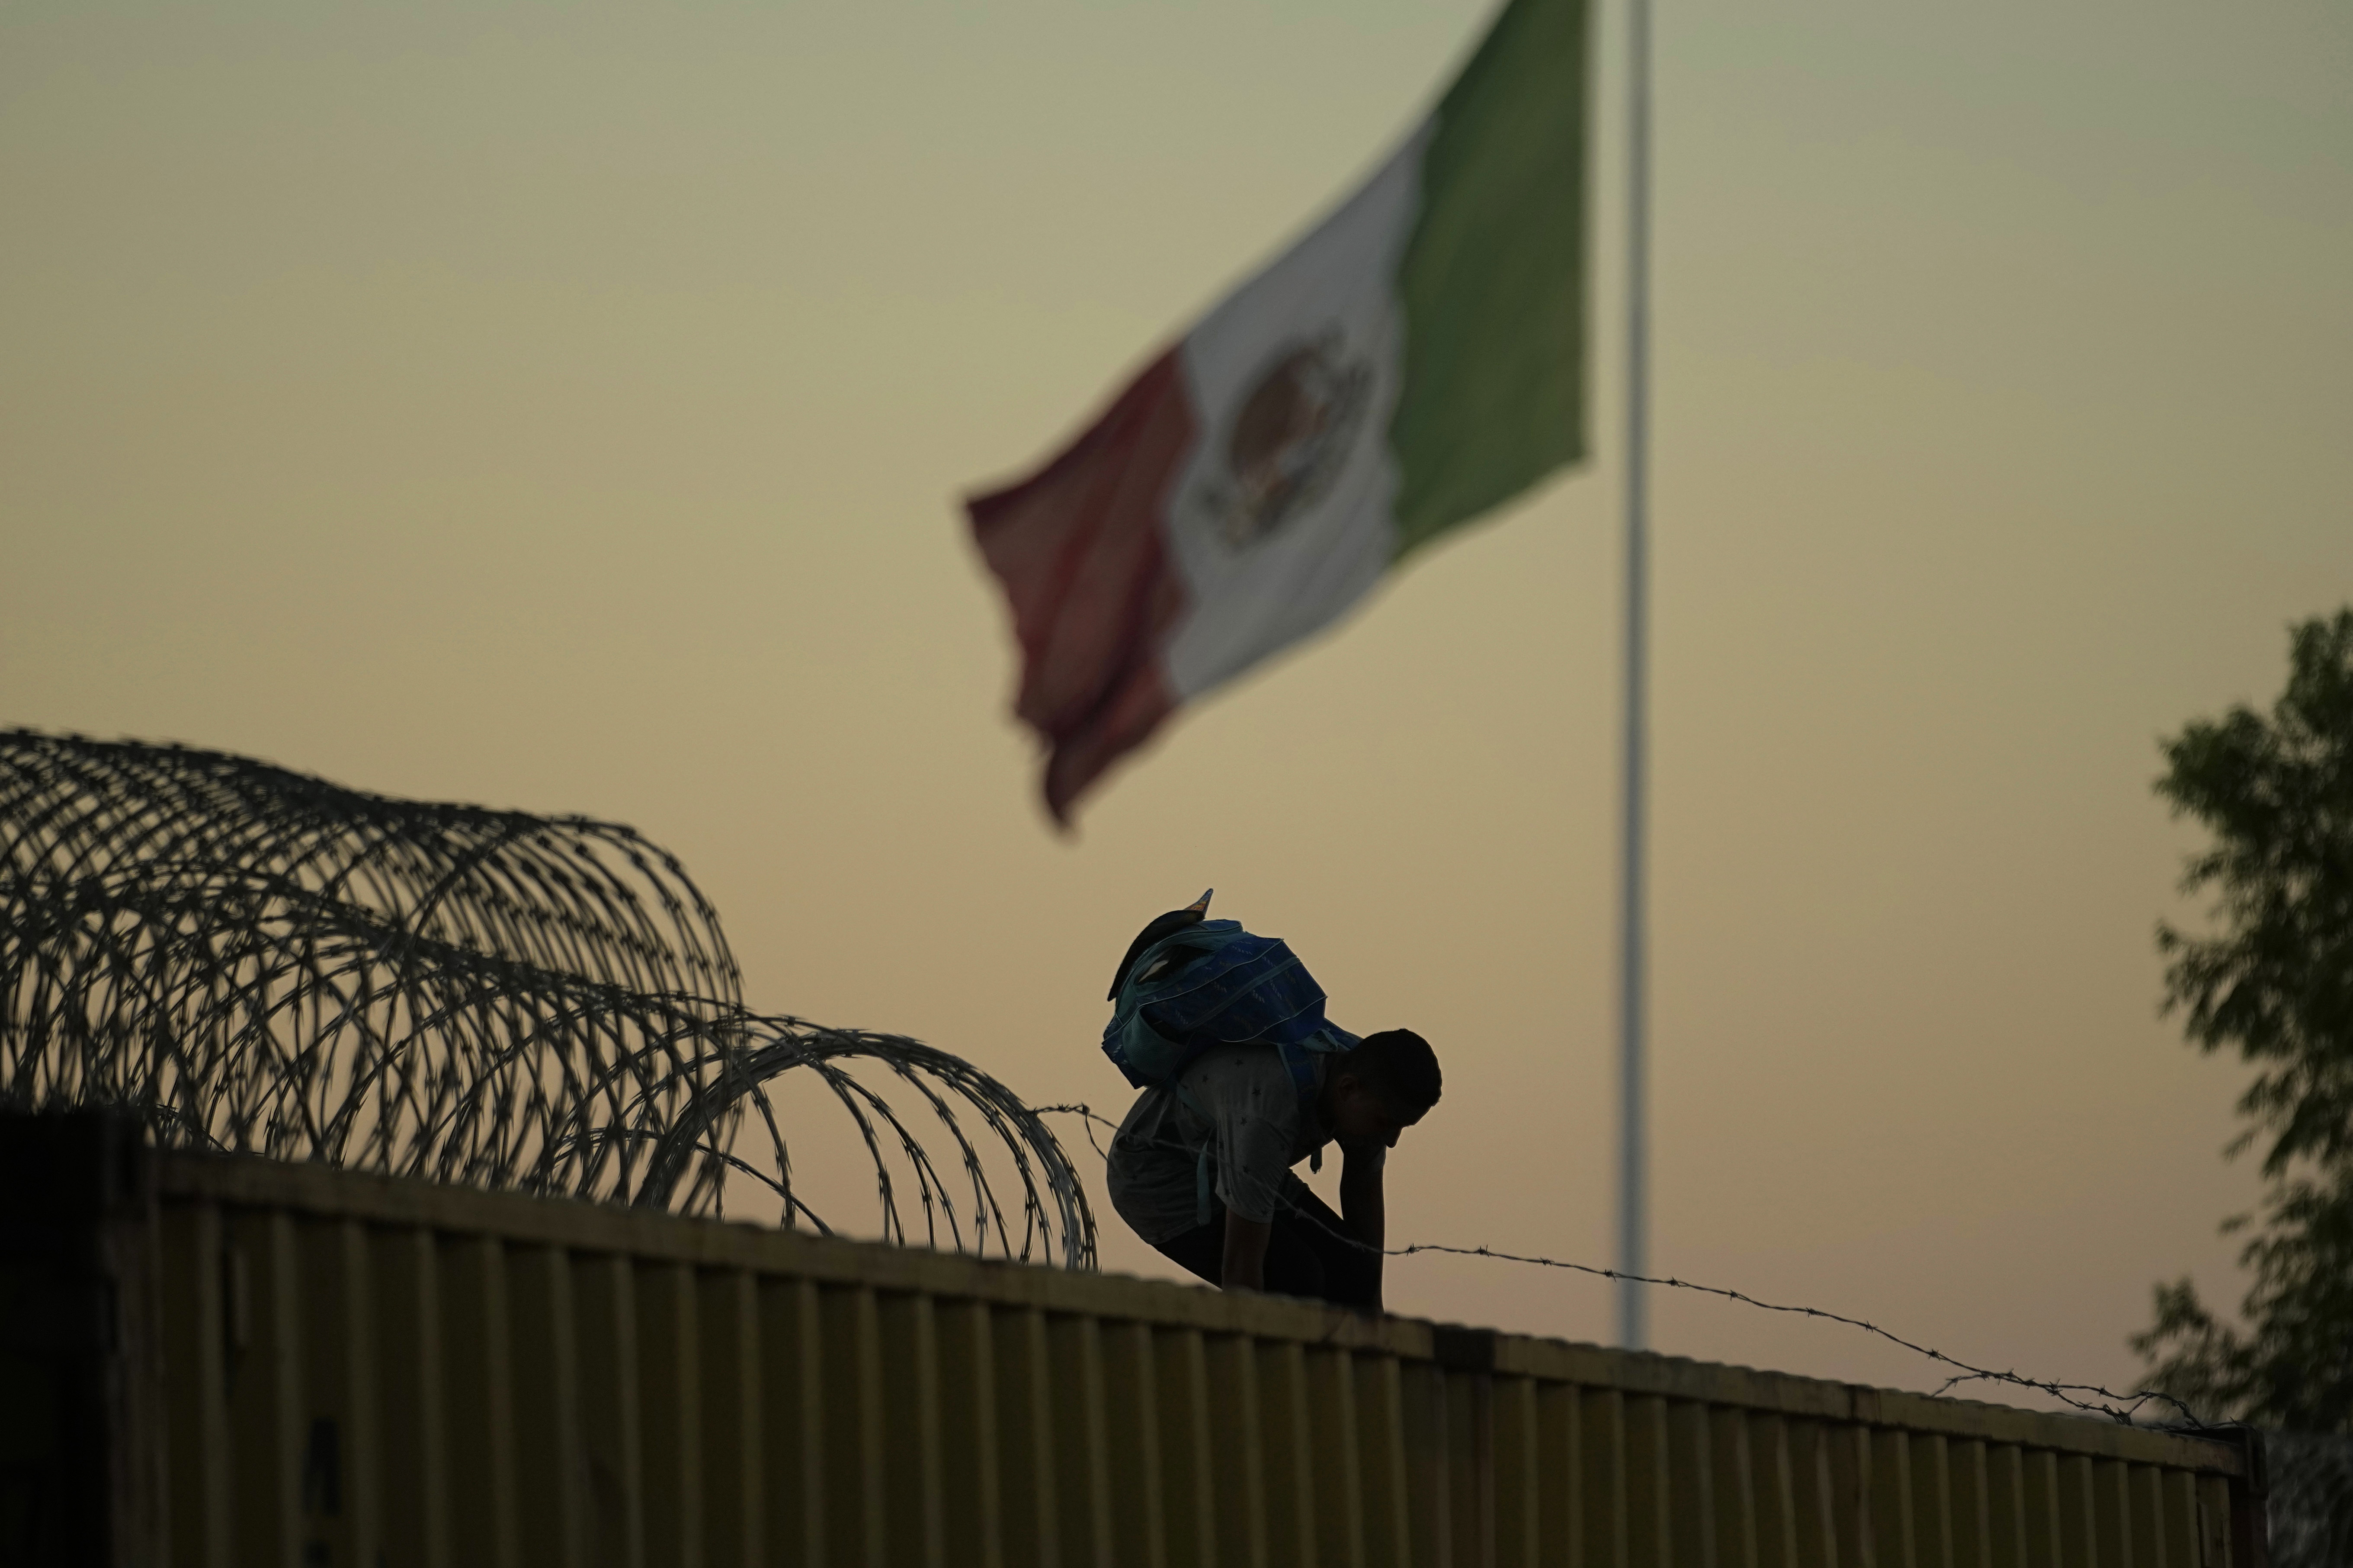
(1494, 280)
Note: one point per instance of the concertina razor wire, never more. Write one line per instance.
(256, 961)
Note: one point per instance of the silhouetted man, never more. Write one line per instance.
(1244, 1079)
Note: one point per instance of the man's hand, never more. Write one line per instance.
(1244, 1268)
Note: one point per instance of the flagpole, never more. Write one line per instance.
(1633, 1197)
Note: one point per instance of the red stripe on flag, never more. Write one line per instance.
(1078, 549)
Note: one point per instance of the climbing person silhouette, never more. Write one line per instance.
(1242, 1079)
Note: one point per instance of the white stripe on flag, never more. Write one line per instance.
(1334, 294)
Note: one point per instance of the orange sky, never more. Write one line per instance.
(564, 407)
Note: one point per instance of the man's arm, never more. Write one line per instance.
(1362, 1206)
(1360, 1194)
(1244, 1267)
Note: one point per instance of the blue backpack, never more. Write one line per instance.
(1191, 984)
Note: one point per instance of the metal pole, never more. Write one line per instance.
(1633, 1205)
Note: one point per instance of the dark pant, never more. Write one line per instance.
(1306, 1255)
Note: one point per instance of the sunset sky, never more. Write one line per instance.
(568, 407)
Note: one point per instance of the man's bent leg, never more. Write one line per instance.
(1201, 1249)
(1294, 1265)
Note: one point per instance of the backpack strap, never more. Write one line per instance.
(1301, 1062)
(1299, 1057)
(1202, 1213)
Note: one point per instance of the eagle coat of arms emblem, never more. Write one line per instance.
(1285, 440)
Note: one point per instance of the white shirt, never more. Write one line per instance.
(1249, 1116)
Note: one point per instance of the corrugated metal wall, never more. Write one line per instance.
(359, 1370)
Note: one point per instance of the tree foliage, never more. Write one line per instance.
(2274, 980)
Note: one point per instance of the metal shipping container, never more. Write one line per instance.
(238, 1361)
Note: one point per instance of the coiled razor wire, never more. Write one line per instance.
(258, 962)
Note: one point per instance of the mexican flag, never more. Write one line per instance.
(1415, 360)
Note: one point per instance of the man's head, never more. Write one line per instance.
(1383, 1087)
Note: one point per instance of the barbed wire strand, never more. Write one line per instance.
(2123, 1408)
